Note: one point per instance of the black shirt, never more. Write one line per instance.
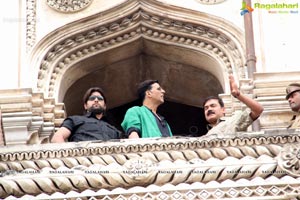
(162, 125)
(88, 127)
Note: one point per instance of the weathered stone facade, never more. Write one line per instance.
(29, 117)
(191, 53)
(250, 166)
(253, 165)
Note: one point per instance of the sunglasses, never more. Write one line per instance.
(92, 98)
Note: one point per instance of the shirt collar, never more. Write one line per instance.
(209, 126)
(91, 115)
(88, 114)
(147, 108)
(161, 117)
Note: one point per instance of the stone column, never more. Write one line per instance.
(250, 49)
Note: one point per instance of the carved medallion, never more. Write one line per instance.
(289, 159)
(68, 6)
(210, 1)
(138, 168)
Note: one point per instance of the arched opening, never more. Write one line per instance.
(190, 58)
(185, 80)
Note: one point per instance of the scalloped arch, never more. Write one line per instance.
(198, 35)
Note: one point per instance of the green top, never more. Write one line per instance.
(142, 118)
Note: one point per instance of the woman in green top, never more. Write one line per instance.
(144, 121)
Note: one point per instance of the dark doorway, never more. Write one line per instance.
(184, 120)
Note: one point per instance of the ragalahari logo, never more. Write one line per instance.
(245, 8)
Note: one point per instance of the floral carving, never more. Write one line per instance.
(138, 169)
(290, 159)
(68, 5)
(211, 1)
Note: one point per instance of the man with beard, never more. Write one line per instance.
(90, 126)
(144, 121)
(214, 111)
(293, 97)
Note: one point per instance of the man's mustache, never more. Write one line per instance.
(210, 112)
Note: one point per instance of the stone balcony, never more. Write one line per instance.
(249, 165)
(253, 165)
(29, 117)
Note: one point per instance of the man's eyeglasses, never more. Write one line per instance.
(92, 98)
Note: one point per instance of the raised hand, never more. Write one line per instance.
(233, 87)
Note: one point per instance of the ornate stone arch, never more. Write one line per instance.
(150, 21)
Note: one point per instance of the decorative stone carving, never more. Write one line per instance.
(289, 159)
(141, 22)
(30, 24)
(28, 117)
(138, 169)
(211, 2)
(232, 168)
(113, 39)
(68, 6)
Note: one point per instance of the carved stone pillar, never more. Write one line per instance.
(28, 117)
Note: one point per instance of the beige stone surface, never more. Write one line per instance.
(256, 165)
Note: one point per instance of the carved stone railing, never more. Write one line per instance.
(251, 165)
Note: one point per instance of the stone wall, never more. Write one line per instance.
(270, 91)
(29, 117)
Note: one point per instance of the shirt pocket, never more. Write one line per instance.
(91, 126)
(77, 124)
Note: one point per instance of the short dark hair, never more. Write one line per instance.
(90, 91)
(143, 87)
(214, 97)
